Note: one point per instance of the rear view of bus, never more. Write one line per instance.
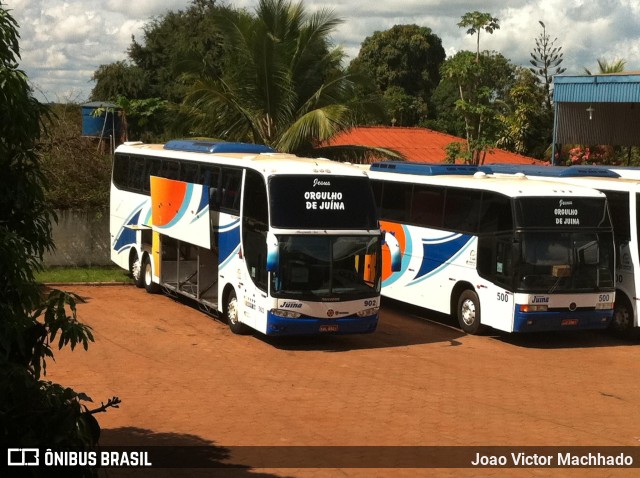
(271, 242)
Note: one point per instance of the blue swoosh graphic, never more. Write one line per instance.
(436, 256)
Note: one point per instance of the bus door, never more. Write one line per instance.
(497, 305)
(254, 230)
(495, 264)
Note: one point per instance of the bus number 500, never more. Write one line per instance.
(503, 297)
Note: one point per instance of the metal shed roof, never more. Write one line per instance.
(613, 88)
(597, 109)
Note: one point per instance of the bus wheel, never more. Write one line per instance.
(622, 322)
(231, 314)
(469, 312)
(147, 276)
(135, 268)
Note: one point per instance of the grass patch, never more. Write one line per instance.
(83, 274)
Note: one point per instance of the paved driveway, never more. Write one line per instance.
(185, 379)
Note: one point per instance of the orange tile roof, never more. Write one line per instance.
(418, 144)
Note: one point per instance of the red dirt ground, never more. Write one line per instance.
(185, 379)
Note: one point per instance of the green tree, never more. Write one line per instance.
(404, 62)
(546, 59)
(406, 110)
(525, 120)
(78, 174)
(479, 93)
(121, 78)
(443, 115)
(281, 84)
(475, 22)
(481, 88)
(151, 68)
(605, 68)
(34, 412)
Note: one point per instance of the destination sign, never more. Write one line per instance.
(321, 202)
(553, 212)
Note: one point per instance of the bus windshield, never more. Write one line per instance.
(321, 268)
(565, 262)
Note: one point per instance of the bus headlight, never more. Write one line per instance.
(533, 308)
(289, 314)
(604, 306)
(367, 312)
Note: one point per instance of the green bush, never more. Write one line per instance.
(77, 168)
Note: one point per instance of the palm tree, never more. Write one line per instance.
(608, 68)
(282, 82)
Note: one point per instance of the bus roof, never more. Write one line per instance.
(551, 171)
(612, 178)
(258, 157)
(510, 185)
(195, 146)
(424, 169)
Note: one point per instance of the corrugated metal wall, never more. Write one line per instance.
(611, 123)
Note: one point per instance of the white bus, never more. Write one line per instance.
(271, 242)
(621, 185)
(512, 254)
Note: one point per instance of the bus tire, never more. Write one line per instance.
(147, 276)
(469, 312)
(135, 269)
(231, 314)
(622, 322)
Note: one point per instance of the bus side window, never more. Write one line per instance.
(462, 210)
(170, 169)
(377, 188)
(426, 207)
(189, 172)
(395, 201)
(136, 173)
(120, 171)
(231, 181)
(152, 168)
(495, 213)
(210, 176)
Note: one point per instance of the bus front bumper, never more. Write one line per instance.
(555, 320)
(277, 325)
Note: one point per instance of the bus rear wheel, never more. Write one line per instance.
(135, 269)
(147, 276)
(231, 314)
(469, 312)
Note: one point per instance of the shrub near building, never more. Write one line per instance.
(77, 168)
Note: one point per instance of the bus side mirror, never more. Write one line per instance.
(394, 248)
(273, 254)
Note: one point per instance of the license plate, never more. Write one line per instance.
(328, 328)
(569, 322)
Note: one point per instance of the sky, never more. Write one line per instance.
(62, 42)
